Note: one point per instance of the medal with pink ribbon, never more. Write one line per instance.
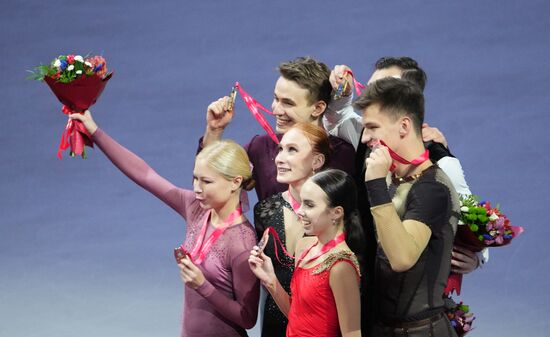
(343, 87)
(277, 242)
(201, 248)
(295, 205)
(356, 84)
(254, 106)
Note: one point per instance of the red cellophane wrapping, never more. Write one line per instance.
(466, 238)
(76, 97)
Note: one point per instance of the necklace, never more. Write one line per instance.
(400, 180)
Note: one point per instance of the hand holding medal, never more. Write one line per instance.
(188, 261)
(189, 272)
(232, 97)
(263, 242)
(261, 264)
(340, 78)
(219, 114)
(180, 253)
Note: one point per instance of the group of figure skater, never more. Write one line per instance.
(358, 204)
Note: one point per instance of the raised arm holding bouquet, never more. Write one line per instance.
(221, 292)
(77, 82)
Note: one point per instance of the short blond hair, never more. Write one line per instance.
(230, 160)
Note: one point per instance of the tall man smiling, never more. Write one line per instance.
(302, 94)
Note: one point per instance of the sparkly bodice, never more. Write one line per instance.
(270, 212)
(313, 308)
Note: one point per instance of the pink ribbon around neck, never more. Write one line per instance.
(293, 203)
(416, 161)
(395, 156)
(201, 248)
(277, 241)
(326, 247)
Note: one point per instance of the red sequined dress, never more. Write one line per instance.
(313, 308)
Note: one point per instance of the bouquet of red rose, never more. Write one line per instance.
(77, 83)
(480, 226)
(460, 316)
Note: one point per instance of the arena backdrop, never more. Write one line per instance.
(85, 252)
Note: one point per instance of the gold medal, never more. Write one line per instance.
(341, 90)
(232, 97)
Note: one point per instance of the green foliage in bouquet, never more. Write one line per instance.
(67, 68)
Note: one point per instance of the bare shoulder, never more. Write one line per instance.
(343, 268)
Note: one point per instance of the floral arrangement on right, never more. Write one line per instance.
(480, 226)
(460, 316)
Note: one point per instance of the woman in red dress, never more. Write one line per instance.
(325, 285)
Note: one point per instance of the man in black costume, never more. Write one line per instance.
(415, 216)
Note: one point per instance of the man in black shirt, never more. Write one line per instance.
(415, 216)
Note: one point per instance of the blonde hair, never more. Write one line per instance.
(230, 160)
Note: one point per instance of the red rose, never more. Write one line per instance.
(70, 58)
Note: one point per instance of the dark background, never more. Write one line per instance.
(85, 252)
